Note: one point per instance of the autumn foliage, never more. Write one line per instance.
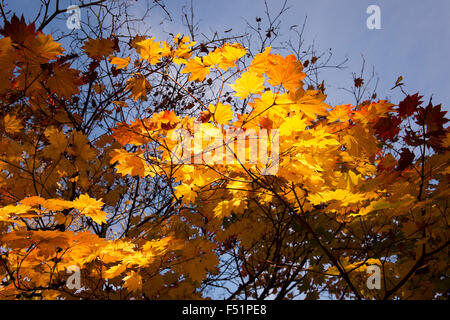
(81, 184)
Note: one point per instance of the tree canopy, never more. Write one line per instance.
(173, 169)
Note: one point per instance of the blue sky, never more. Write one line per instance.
(414, 39)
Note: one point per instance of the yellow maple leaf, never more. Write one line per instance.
(359, 140)
(259, 63)
(271, 104)
(233, 52)
(222, 113)
(58, 204)
(310, 103)
(341, 113)
(133, 281)
(213, 58)
(226, 207)
(12, 124)
(121, 63)
(166, 116)
(285, 71)
(293, 124)
(33, 201)
(10, 210)
(91, 208)
(128, 163)
(115, 271)
(150, 50)
(197, 69)
(382, 107)
(187, 192)
(249, 82)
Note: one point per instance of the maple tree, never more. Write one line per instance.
(81, 184)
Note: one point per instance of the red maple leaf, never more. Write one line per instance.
(406, 158)
(387, 128)
(18, 30)
(409, 105)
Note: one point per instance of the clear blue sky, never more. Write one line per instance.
(414, 40)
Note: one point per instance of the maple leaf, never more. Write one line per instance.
(248, 82)
(58, 204)
(409, 105)
(121, 63)
(341, 113)
(138, 85)
(34, 200)
(214, 58)
(18, 30)
(432, 117)
(382, 108)
(358, 82)
(64, 82)
(9, 211)
(128, 163)
(197, 69)
(81, 147)
(166, 116)
(12, 124)
(187, 192)
(91, 208)
(115, 271)
(133, 281)
(98, 48)
(99, 88)
(259, 63)
(343, 195)
(292, 124)
(266, 123)
(150, 50)
(58, 143)
(233, 52)
(6, 62)
(406, 159)
(367, 113)
(271, 104)
(120, 104)
(205, 115)
(46, 48)
(310, 102)
(285, 71)
(221, 112)
(183, 49)
(48, 241)
(359, 140)
(387, 128)
(384, 204)
(387, 163)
